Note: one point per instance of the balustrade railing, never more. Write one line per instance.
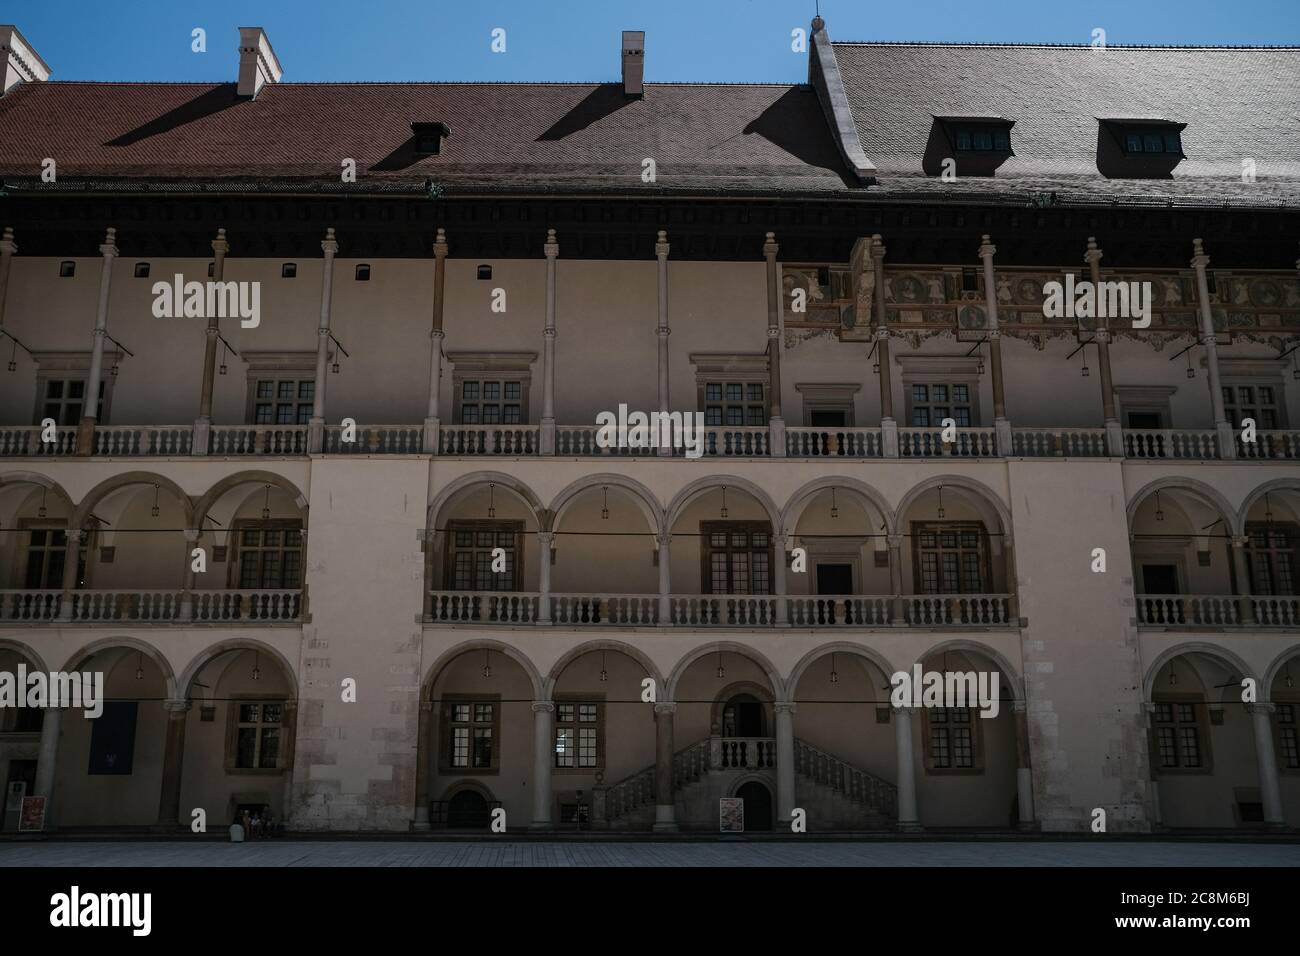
(1193, 445)
(744, 753)
(1059, 442)
(920, 610)
(489, 440)
(722, 610)
(929, 443)
(113, 605)
(30, 605)
(853, 782)
(375, 440)
(238, 606)
(751, 441)
(802, 442)
(1195, 610)
(24, 441)
(131, 441)
(837, 611)
(484, 607)
(605, 609)
(1271, 445)
(162, 606)
(1276, 611)
(257, 440)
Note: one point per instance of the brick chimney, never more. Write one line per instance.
(258, 64)
(633, 62)
(21, 64)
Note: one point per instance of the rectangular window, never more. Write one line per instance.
(469, 555)
(952, 739)
(1288, 748)
(258, 734)
(470, 733)
(737, 557)
(735, 403)
(1260, 402)
(950, 557)
(1178, 731)
(981, 137)
(269, 554)
(64, 400)
(933, 402)
(283, 401)
(112, 739)
(579, 732)
(491, 402)
(1272, 552)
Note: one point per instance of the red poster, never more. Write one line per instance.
(33, 815)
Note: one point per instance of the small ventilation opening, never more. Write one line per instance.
(67, 269)
(289, 270)
(363, 272)
(485, 273)
(427, 137)
(142, 270)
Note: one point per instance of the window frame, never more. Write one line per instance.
(233, 724)
(707, 550)
(598, 725)
(1233, 408)
(732, 369)
(946, 370)
(74, 366)
(1280, 725)
(1292, 531)
(446, 725)
(276, 366)
(973, 721)
(1200, 721)
(512, 526)
(984, 550)
(235, 560)
(28, 525)
(492, 367)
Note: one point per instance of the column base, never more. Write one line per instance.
(546, 436)
(1227, 437)
(776, 437)
(911, 826)
(315, 436)
(200, 436)
(431, 427)
(889, 437)
(541, 826)
(1029, 826)
(1114, 439)
(665, 818)
(1003, 440)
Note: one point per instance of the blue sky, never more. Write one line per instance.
(696, 40)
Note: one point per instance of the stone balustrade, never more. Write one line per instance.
(1184, 444)
(150, 606)
(801, 442)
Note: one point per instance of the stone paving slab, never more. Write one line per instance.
(493, 853)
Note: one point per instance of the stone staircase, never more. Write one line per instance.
(835, 794)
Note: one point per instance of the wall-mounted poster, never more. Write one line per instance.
(731, 815)
(33, 816)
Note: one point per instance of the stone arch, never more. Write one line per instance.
(106, 643)
(803, 496)
(708, 483)
(22, 650)
(571, 655)
(983, 498)
(1275, 668)
(1222, 654)
(475, 479)
(869, 654)
(765, 696)
(257, 477)
(773, 675)
(1268, 487)
(207, 655)
(1209, 496)
(449, 655)
(642, 496)
(125, 480)
(43, 481)
(1009, 671)
(468, 783)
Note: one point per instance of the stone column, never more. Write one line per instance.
(1114, 432)
(424, 746)
(316, 427)
(203, 424)
(665, 808)
(888, 426)
(7, 249)
(776, 423)
(1153, 765)
(785, 795)
(71, 557)
(545, 541)
(1222, 427)
(192, 536)
(1001, 426)
(663, 330)
(47, 762)
(1024, 769)
(1241, 566)
(431, 421)
(169, 798)
(90, 409)
(552, 250)
(778, 578)
(1270, 790)
(665, 578)
(896, 578)
(288, 752)
(543, 762)
(907, 815)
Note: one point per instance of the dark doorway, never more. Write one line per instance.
(834, 579)
(1159, 579)
(828, 418)
(758, 806)
(468, 810)
(1149, 420)
(743, 717)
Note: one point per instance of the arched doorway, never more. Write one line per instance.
(758, 806)
(468, 810)
(743, 716)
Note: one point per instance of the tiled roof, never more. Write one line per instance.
(509, 137)
(1238, 103)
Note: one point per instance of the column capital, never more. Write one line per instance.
(894, 540)
(1101, 335)
(440, 244)
(109, 246)
(1260, 707)
(770, 247)
(426, 706)
(1020, 706)
(176, 707)
(543, 706)
(552, 245)
(219, 245)
(1240, 540)
(1094, 253)
(545, 537)
(909, 711)
(8, 247)
(1199, 259)
(665, 707)
(661, 244)
(76, 535)
(785, 707)
(877, 246)
(664, 539)
(987, 250)
(193, 534)
(329, 245)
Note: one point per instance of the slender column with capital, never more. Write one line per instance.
(1153, 765)
(778, 578)
(665, 541)
(1114, 433)
(1024, 769)
(665, 808)
(46, 762)
(896, 579)
(192, 536)
(71, 559)
(169, 797)
(888, 426)
(543, 761)
(7, 249)
(1222, 427)
(1270, 790)
(316, 427)
(907, 815)
(431, 421)
(785, 796)
(90, 410)
(545, 542)
(423, 768)
(776, 423)
(663, 330)
(1241, 568)
(1001, 426)
(203, 424)
(552, 250)
(288, 753)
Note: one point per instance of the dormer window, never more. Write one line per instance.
(428, 137)
(978, 134)
(1149, 139)
(1138, 147)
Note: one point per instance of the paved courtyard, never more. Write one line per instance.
(678, 854)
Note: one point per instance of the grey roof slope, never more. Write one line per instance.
(1237, 103)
